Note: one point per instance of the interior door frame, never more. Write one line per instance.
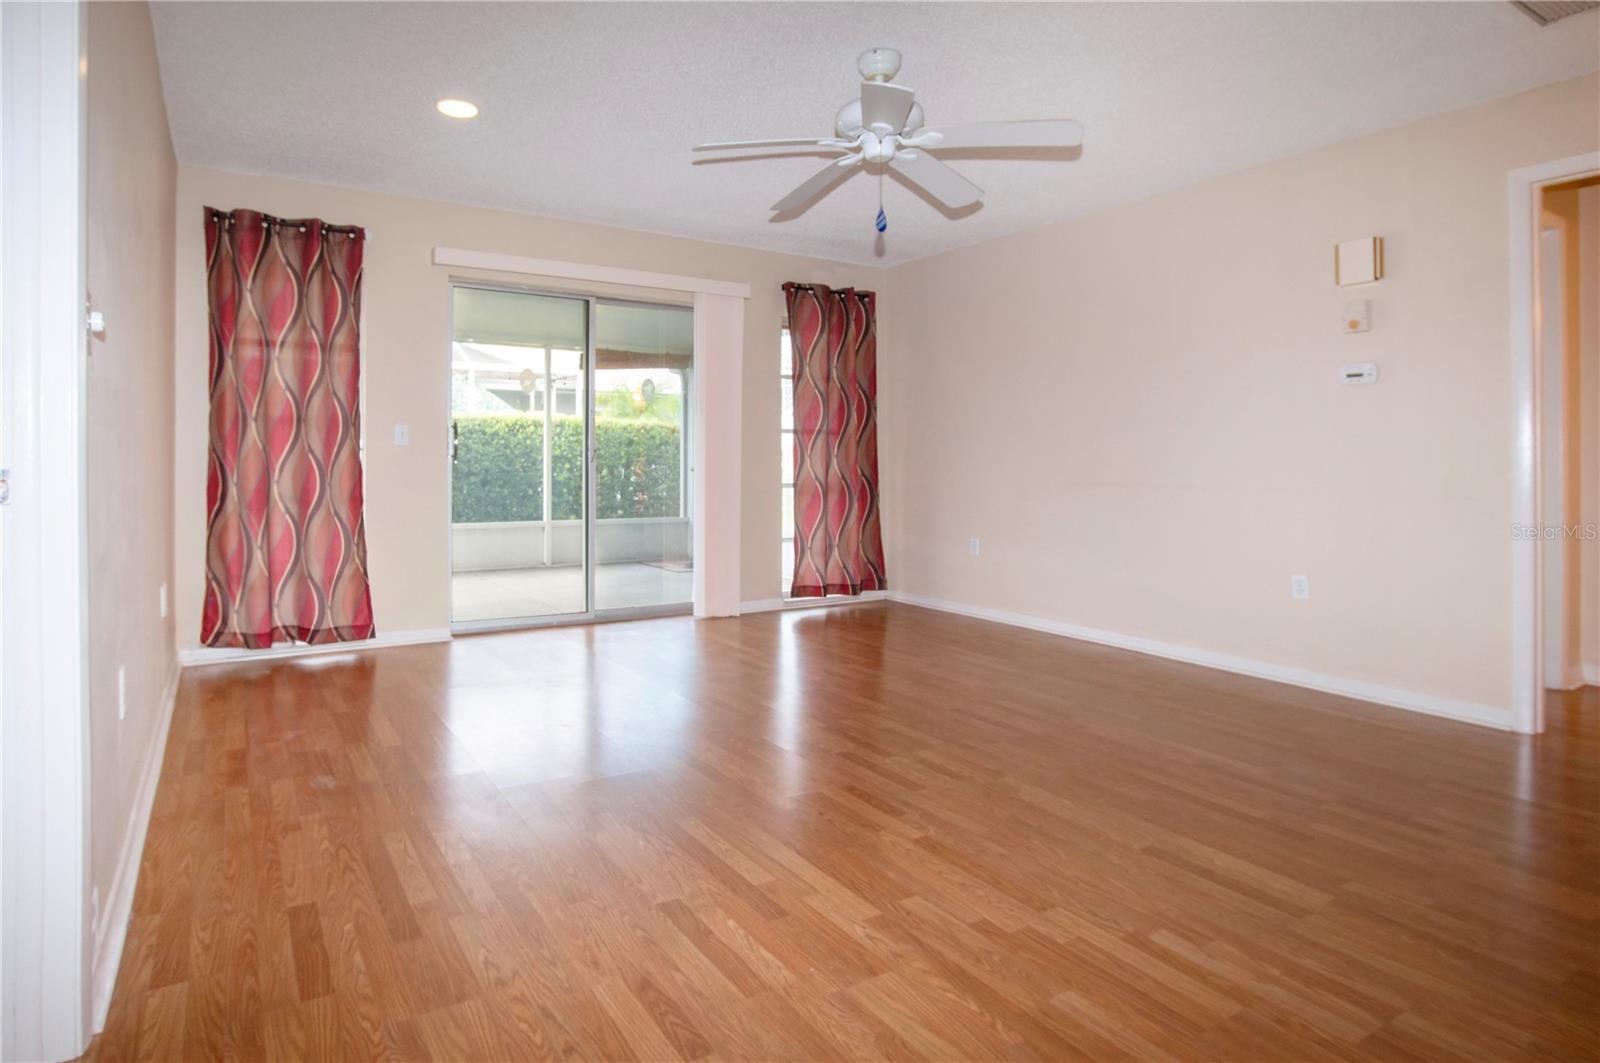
(590, 614)
(1524, 186)
(46, 921)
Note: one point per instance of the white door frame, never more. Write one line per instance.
(1527, 386)
(45, 922)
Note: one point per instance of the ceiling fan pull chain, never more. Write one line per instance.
(882, 222)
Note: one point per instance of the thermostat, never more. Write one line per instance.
(1359, 373)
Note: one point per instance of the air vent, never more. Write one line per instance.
(1545, 12)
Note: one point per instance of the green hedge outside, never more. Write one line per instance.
(499, 473)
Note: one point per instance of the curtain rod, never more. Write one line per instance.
(813, 287)
(277, 222)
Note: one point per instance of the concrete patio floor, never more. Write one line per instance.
(506, 594)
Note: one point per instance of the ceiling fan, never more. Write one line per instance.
(885, 127)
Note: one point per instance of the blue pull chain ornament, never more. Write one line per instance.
(882, 221)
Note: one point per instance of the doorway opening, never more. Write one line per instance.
(1566, 323)
(570, 436)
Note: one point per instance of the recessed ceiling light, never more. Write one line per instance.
(457, 108)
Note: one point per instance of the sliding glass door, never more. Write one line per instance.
(519, 440)
(644, 355)
(569, 438)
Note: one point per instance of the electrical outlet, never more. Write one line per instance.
(1299, 588)
(163, 601)
(973, 546)
(122, 691)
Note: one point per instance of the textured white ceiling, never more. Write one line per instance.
(589, 110)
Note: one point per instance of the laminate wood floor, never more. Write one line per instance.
(867, 832)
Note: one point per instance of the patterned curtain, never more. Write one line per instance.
(286, 555)
(838, 542)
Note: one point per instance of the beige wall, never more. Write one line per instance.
(130, 221)
(407, 374)
(1138, 412)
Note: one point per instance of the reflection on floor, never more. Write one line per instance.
(510, 593)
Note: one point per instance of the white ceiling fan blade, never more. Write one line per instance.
(1045, 133)
(733, 145)
(883, 104)
(816, 183)
(936, 179)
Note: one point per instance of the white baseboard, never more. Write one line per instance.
(1433, 705)
(1571, 679)
(1578, 675)
(111, 932)
(199, 655)
(767, 605)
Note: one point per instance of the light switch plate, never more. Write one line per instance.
(402, 435)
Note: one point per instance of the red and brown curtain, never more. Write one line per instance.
(838, 540)
(286, 555)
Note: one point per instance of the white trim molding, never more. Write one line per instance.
(584, 271)
(716, 444)
(44, 927)
(1522, 186)
(112, 931)
(196, 656)
(1569, 679)
(1433, 705)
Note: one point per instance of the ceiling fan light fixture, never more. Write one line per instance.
(879, 64)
